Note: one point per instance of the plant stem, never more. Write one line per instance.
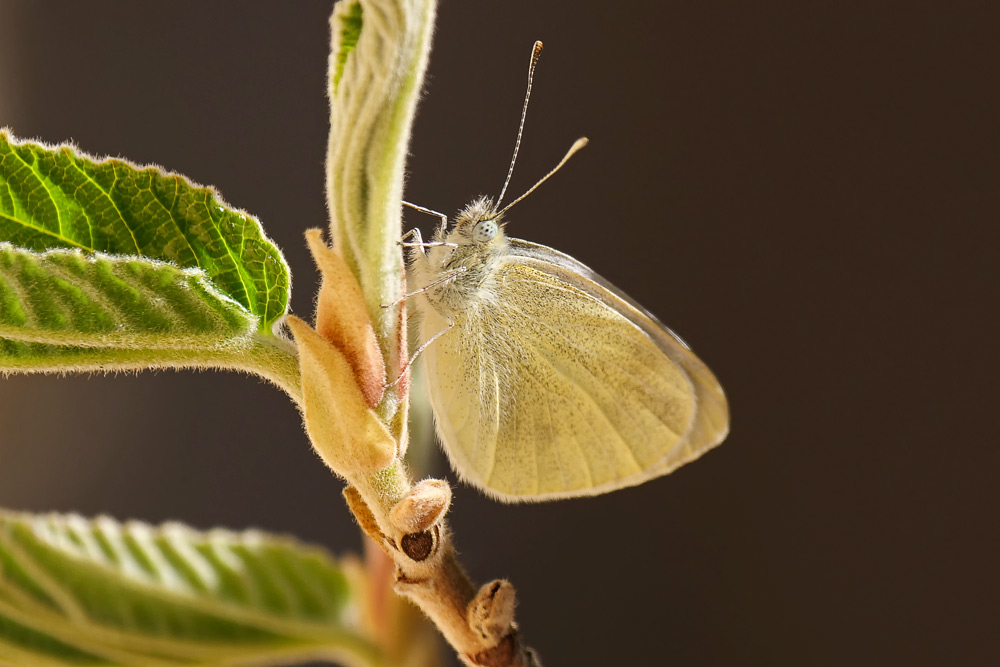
(378, 57)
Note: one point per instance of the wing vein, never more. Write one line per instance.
(642, 383)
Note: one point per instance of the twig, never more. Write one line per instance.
(478, 624)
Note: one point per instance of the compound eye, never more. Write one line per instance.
(484, 231)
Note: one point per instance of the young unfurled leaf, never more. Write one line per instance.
(378, 57)
(78, 592)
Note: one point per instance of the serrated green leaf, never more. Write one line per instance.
(68, 297)
(68, 310)
(108, 266)
(78, 592)
(56, 197)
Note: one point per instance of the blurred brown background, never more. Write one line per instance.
(807, 192)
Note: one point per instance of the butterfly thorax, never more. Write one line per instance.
(466, 268)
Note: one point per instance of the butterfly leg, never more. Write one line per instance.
(413, 232)
(420, 243)
(418, 249)
(442, 228)
(428, 244)
(406, 366)
(448, 275)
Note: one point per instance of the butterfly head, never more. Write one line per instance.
(479, 223)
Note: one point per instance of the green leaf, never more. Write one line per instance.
(78, 592)
(56, 197)
(69, 310)
(68, 297)
(108, 266)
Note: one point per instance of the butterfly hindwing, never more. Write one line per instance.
(546, 388)
(710, 424)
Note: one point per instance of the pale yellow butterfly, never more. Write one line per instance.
(546, 381)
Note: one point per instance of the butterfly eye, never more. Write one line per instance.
(484, 231)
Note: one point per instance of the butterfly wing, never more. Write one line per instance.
(710, 424)
(554, 384)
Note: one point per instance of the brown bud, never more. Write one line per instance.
(422, 506)
(343, 429)
(491, 612)
(342, 318)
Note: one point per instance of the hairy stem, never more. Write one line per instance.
(378, 57)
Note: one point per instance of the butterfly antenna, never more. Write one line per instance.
(577, 145)
(536, 51)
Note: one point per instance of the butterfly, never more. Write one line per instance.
(546, 381)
